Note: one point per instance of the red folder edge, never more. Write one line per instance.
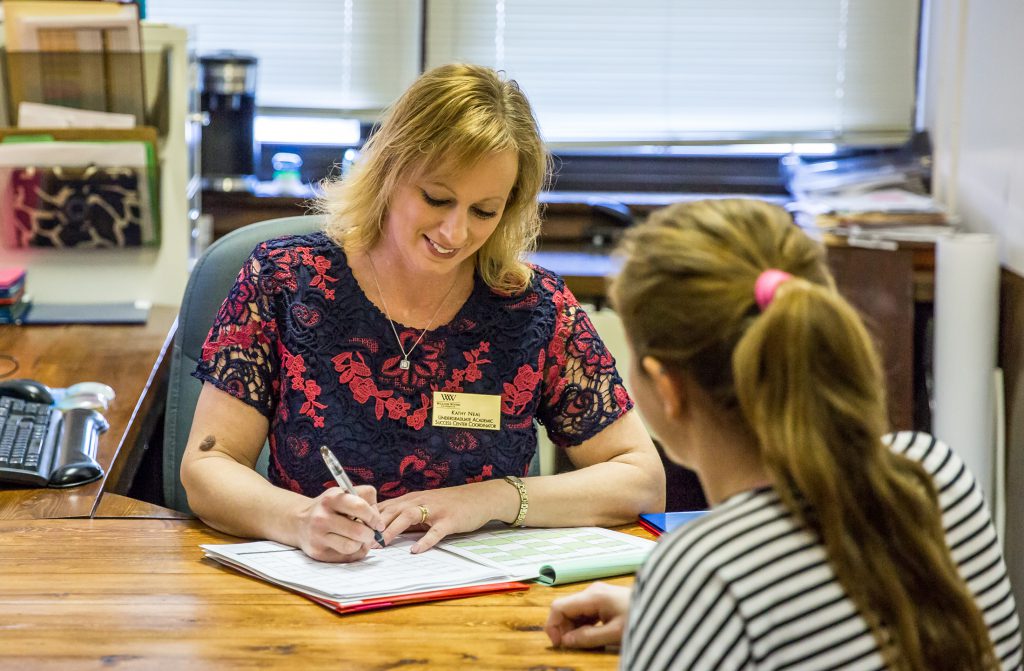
(14, 298)
(416, 597)
(655, 531)
(388, 601)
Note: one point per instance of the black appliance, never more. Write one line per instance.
(228, 98)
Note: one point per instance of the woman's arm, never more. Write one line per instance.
(619, 475)
(226, 492)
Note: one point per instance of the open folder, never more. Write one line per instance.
(464, 565)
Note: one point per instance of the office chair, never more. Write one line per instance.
(208, 285)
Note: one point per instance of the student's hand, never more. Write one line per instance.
(449, 510)
(592, 618)
(327, 530)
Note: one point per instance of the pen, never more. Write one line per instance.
(342, 479)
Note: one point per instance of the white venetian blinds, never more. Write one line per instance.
(596, 70)
(322, 54)
(694, 69)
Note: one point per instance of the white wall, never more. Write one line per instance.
(974, 109)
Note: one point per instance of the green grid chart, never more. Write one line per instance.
(528, 547)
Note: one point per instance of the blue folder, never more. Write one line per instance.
(659, 523)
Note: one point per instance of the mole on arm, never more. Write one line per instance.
(207, 443)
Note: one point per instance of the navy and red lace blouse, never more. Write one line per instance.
(298, 340)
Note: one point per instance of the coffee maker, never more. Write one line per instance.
(228, 99)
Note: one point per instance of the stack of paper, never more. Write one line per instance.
(885, 214)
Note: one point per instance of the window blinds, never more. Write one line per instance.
(351, 55)
(596, 70)
(677, 70)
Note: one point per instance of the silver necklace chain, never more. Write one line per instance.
(404, 363)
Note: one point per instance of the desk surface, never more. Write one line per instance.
(137, 594)
(128, 358)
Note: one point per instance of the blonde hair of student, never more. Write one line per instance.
(453, 117)
(803, 378)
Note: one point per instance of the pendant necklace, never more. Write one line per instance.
(404, 363)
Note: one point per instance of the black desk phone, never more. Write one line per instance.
(43, 444)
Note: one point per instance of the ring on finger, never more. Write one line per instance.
(424, 514)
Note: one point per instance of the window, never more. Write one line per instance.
(596, 70)
(696, 70)
(350, 55)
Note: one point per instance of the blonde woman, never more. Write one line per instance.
(410, 339)
(828, 545)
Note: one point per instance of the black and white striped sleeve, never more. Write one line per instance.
(689, 619)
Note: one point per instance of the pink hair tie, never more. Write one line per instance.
(767, 284)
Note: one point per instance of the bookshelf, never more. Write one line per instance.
(156, 274)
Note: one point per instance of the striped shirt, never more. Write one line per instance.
(747, 587)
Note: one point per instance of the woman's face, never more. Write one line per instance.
(438, 219)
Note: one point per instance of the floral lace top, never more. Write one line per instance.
(298, 340)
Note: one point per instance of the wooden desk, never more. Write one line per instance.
(136, 594)
(117, 506)
(131, 359)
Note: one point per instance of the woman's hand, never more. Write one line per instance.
(448, 511)
(332, 526)
(592, 618)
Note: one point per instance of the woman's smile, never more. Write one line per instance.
(438, 249)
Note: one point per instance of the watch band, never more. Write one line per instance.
(524, 500)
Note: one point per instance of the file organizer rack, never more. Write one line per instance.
(103, 81)
(156, 274)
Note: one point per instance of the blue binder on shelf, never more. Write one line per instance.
(659, 523)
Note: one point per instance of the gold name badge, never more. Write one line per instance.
(467, 411)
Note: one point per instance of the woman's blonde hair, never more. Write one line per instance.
(803, 378)
(453, 116)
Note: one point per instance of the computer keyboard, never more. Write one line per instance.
(42, 446)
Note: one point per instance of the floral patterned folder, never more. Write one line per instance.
(88, 206)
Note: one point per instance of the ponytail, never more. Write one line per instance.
(809, 384)
(800, 371)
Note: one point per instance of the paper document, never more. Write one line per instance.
(39, 115)
(74, 154)
(455, 567)
(555, 556)
(881, 200)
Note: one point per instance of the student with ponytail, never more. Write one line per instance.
(829, 544)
